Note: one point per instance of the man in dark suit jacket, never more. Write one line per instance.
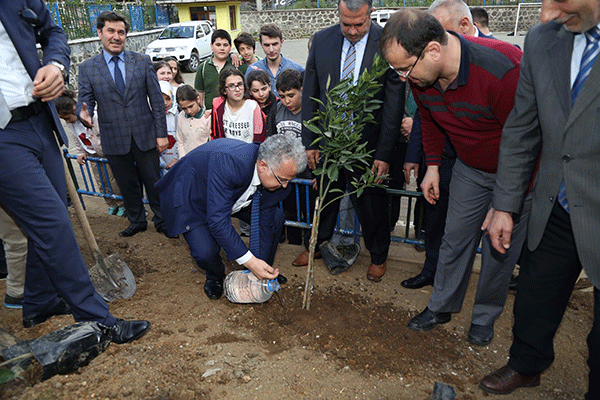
(221, 179)
(32, 177)
(556, 119)
(328, 53)
(134, 132)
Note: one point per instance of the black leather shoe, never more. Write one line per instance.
(132, 230)
(128, 331)
(428, 319)
(164, 232)
(514, 281)
(417, 282)
(281, 279)
(481, 335)
(62, 308)
(213, 288)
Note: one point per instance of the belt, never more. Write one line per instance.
(28, 111)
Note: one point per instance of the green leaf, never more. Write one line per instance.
(6, 375)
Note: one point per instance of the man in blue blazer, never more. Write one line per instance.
(331, 48)
(221, 179)
(32, 178)
(131, 116)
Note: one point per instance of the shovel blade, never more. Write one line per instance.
(120, 274)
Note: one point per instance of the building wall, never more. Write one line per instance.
(221, 13)
(301, 23)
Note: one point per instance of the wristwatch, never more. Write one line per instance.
(62, 68)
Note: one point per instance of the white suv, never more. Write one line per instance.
(188, 42)
(380, 17)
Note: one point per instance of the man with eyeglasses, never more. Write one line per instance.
(225, 178)
(465, 89)
(339, 52)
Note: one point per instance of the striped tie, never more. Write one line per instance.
(349, 62)
(587, 62)
(255, 224)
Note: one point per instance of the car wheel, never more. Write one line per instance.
(193, 63)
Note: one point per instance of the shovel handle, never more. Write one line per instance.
(87, 229)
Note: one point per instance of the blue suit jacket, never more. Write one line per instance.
(122, 118)
(23, 38)
(203, 186)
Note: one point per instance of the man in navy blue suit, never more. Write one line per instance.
(223, 179)
(32, 178)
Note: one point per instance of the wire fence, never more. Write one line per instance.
(78, 20)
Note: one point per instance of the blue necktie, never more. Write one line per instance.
(587, 62)
(255, 223)
(349, 62)
(118, 76)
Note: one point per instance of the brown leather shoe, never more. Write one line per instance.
(302, 259)
(506, 380)
(376, 272)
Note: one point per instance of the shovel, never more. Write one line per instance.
(111, 277)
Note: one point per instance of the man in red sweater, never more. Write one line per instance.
(465, 89)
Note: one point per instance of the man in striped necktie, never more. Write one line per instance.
(556, 118)
(341, 52)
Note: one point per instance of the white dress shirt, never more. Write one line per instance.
(244, 201)
(360, 47)
(15, 83)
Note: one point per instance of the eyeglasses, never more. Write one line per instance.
(401, 72)
(281, 181)
(234, 86)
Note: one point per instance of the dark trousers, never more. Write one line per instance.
(397, 180)
(371, 208)
(131, 168)
(33, 191)
(206, 251)
(434, 219)
(546, 281)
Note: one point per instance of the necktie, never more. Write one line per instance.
(349, 62)
(255, 223)
(5, 114)
(587, 62)
(118, 76)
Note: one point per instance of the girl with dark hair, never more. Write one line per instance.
(163, 71)
(193, 122)
(176, 69)
(259, 85)
(234, 115)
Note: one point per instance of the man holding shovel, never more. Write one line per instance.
(32, 179)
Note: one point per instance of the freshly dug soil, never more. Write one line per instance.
(352, 343)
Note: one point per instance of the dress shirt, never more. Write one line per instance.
(360, 47)
(15, 83)
(244, 201)
(579, 44)
(111, 66)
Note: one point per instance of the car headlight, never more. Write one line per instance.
(181, 48)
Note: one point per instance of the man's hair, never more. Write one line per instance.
(226, 73)
(257, 75)
(279, 148)
(244, 38)
(220, 34)
(413, 30)
(288, 80)
(355, 5)
(186, 93)
(480, 16)
(457, 9)
(270, 30)
(111, 16)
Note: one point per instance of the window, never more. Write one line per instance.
(232, 18)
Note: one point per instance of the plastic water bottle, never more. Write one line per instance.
(244, 287)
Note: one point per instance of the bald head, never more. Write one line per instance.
(454, 15)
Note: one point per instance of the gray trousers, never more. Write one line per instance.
(470, 200)
(15, 248)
